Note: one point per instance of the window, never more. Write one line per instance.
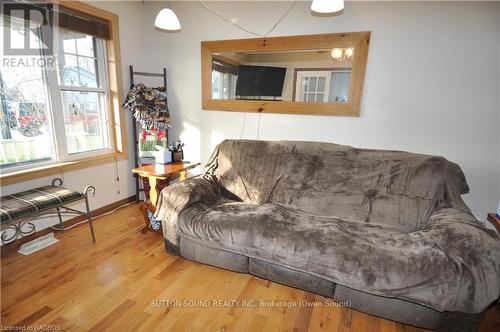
(63, 112)
(314, 86)
(27, 129)
(224, 76)
(322, 85)
(339, 86)
(83, 90)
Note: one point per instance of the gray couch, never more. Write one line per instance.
(387, 231)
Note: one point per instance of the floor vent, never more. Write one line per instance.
(37, 244)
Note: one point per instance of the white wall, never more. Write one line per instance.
(432, 84)
(432, 81)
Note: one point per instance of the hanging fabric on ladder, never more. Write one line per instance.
(149, 106)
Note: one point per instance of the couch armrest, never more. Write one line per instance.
(176, 198)
(473, 249)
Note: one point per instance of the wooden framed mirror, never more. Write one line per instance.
(311, 74)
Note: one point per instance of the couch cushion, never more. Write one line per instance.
(443, 266)
(227, 260)
(394, 189)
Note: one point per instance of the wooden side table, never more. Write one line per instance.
(156, 173)
(495, 220)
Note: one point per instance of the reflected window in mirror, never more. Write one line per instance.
(322, 85)
(224, 76)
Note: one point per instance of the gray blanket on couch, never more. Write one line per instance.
(388, 223)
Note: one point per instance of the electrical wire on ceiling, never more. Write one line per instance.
(282, 17)
(201, 2)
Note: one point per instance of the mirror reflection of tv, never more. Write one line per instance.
(256, 81)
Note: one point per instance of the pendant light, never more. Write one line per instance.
(167, 20)
(327, 6)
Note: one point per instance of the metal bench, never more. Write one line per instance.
(20, 209)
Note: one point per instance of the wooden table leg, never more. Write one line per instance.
(151, 204)
(148, 211)
(153, 192)
(158, 177)
(144, 207)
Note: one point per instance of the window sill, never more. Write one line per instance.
(48, 170)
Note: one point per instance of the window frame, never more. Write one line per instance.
(297, 88)
(114, 99)
(26, 165)
(231, 85)
(57, 99)
(227, 63)
(298, 72)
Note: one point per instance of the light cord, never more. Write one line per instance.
(201, 2)
(61, 171)
(118, 191)
(243, 125)
(258, 126)
(281, 18)
(285, 14)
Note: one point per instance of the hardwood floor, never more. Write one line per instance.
(126, 282)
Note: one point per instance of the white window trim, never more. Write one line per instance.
(55, 106)
(231, 79)
(28, 166)
(302, 74)
(102, 72)
(118, 118)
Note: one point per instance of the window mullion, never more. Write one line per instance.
(102, 74)
(57, 113)
(48, 98)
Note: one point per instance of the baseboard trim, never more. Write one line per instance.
(70, 222)
(99, 211)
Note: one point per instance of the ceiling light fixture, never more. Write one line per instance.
(167, 20)
(327, 6)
